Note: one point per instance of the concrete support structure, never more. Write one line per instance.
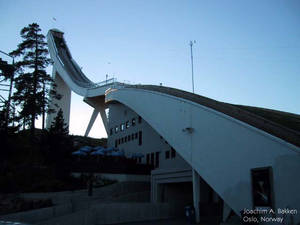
(196, 194)
(64, 103)
(99, 107)
(92, 121)
(103, 116)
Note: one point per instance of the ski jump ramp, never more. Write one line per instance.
(223, 143)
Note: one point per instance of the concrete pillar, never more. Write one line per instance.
(64, 103)
(196, 194)
(156, 192)
(104, 117)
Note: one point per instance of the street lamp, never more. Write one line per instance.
(10, 86)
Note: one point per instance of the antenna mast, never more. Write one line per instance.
(192, 61)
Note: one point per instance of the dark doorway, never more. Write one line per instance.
(262, 187)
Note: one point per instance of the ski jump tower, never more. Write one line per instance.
(238, 153)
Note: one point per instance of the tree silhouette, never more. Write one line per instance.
(32, 83)
(60, 145)
(58, 126)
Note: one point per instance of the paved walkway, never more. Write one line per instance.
(162, 222)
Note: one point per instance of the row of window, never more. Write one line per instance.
(153, 159)
(128, 138)
(170, 154)
(125, 125)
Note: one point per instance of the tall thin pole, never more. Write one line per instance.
(9, 93)
(192, 61)
(44, 111)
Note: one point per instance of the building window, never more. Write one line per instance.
(173, 153)
(167, 154)
(128, 137)
(116, 143)
(122, 140)
(156, 159)
(116, 129)
(125, 139)
(152, 159)
(122, 126)
(147, 159)
(262, 184)
(132, 136)
(140, 119)
(119, 141)
(111, 131)
(127, 124)
(133, 122)
(136, 135)
(140, 138)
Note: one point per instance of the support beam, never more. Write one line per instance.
(196, 194)
(103, 117)
(99, 106)
(91, 123)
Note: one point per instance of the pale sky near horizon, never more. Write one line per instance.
(246, 52)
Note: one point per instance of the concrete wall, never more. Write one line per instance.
(221, 149)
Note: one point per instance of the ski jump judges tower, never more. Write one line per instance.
(226, 158)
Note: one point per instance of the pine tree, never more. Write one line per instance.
(58, 126)
(32, 83)
(60, 146)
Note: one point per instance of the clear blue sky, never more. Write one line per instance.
(246, 52)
